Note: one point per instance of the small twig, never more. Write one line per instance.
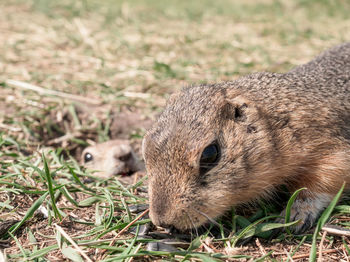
(321, 246)
(136, 250)
(182, 258)
(60, 229)
(206, 246)
(345, 253)
(335, 230)
(288, 255)
(99, 241)
(262, 250)
(2, 255)
(44, 91)
(10, 128)
(136, 95)
(128, 226)
(84, 32)
(307, 254)
(63, 138)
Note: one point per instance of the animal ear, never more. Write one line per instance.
(236, 109)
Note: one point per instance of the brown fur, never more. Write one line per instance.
(292, 129)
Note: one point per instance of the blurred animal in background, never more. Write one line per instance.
(114, 157)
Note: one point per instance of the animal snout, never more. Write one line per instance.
(159, 219)
(166, 226)
(161, 222)
(126, 157)
(160, 211)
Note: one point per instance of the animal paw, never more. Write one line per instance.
(306, 210)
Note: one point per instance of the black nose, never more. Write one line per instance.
(126, 157)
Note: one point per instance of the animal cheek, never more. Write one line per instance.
(158, 198)
(114, 167)
(181, 202)
(158, 204)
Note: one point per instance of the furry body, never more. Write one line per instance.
(272, 129)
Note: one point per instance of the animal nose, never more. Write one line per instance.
(162, 221)
(125, 157)
(168, 228)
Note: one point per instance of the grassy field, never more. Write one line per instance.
(105, 58)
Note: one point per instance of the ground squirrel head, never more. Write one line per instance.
(114, 157)
(203, 155)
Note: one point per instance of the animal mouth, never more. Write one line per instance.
(126, 173)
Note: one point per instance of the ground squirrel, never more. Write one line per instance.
(219, 145)
(114, 157)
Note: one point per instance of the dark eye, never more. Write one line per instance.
(88, 157)
(210, 157)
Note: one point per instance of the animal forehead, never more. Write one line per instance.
(192, 108)
(200, 98)
(111, 144)
(114, 143)
(176, 140)
(122, 149)
(110, 147)
(186, 124)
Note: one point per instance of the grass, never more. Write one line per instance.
(128, 56)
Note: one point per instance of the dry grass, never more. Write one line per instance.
(128, 56)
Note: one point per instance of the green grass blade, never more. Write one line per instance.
(71, 253)
(128, 249)
(263, 258)
(69, 197)
(30, 212)
(297, 248)
(289, 207)
(254, 228)
(111, 207)
(77, 180)
(42, 252)
(19, 245)
(322, 220)
(50, 188)
(346, 246)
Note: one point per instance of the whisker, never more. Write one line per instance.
(208, 217)
(194, 227)
(211, 220)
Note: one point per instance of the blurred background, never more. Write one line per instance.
(130, 55)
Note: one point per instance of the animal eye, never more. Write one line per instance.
(88, 157)
(210, 154)
(209, 157)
